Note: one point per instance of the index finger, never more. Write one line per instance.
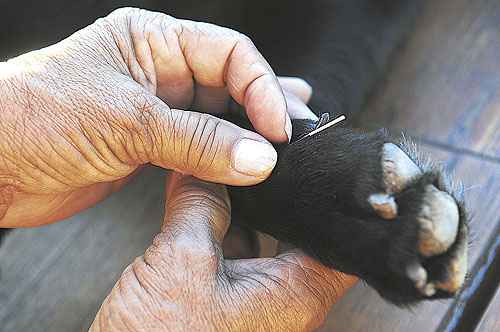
(221, 57)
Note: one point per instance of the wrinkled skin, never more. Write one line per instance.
(182, 282)
(78, 119)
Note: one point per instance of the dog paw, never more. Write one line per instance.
(416, 193)
(369, 204)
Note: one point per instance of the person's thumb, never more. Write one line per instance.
(206, 147)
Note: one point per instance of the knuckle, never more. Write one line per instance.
(125, 13)
(193, 248)
(159, 253)
(145, 108)
(138, 20)
(144, 125)
(127, 20)
(183, 248)
(195, 252)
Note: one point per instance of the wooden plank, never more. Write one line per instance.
(491, 318)
(445, 85)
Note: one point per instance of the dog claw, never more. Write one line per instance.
(417, 274)
(384, 205)
(397, 167)
(429, 289)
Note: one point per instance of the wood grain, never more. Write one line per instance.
(491, 318)
(445, 85)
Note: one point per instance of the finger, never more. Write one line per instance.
(156, 32)
(196, 211)
(215, 57)
(296, 86)
(197, 216)
(297, 109)
(221, 57)
(204, 146)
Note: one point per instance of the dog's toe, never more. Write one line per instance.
(438, 221)
(441, 263)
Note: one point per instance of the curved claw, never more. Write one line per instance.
(384, 205)
(398, 168)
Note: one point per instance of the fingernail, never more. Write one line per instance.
(288, 128)
(253, 157)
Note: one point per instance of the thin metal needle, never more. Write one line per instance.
(328, 125)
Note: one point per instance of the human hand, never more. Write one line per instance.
(183, 283)
(77, 119)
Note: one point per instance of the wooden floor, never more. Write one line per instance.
(444, 89)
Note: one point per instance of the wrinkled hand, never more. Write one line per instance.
(77, 119)
(183, 283)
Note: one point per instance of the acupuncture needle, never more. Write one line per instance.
(325, 126)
